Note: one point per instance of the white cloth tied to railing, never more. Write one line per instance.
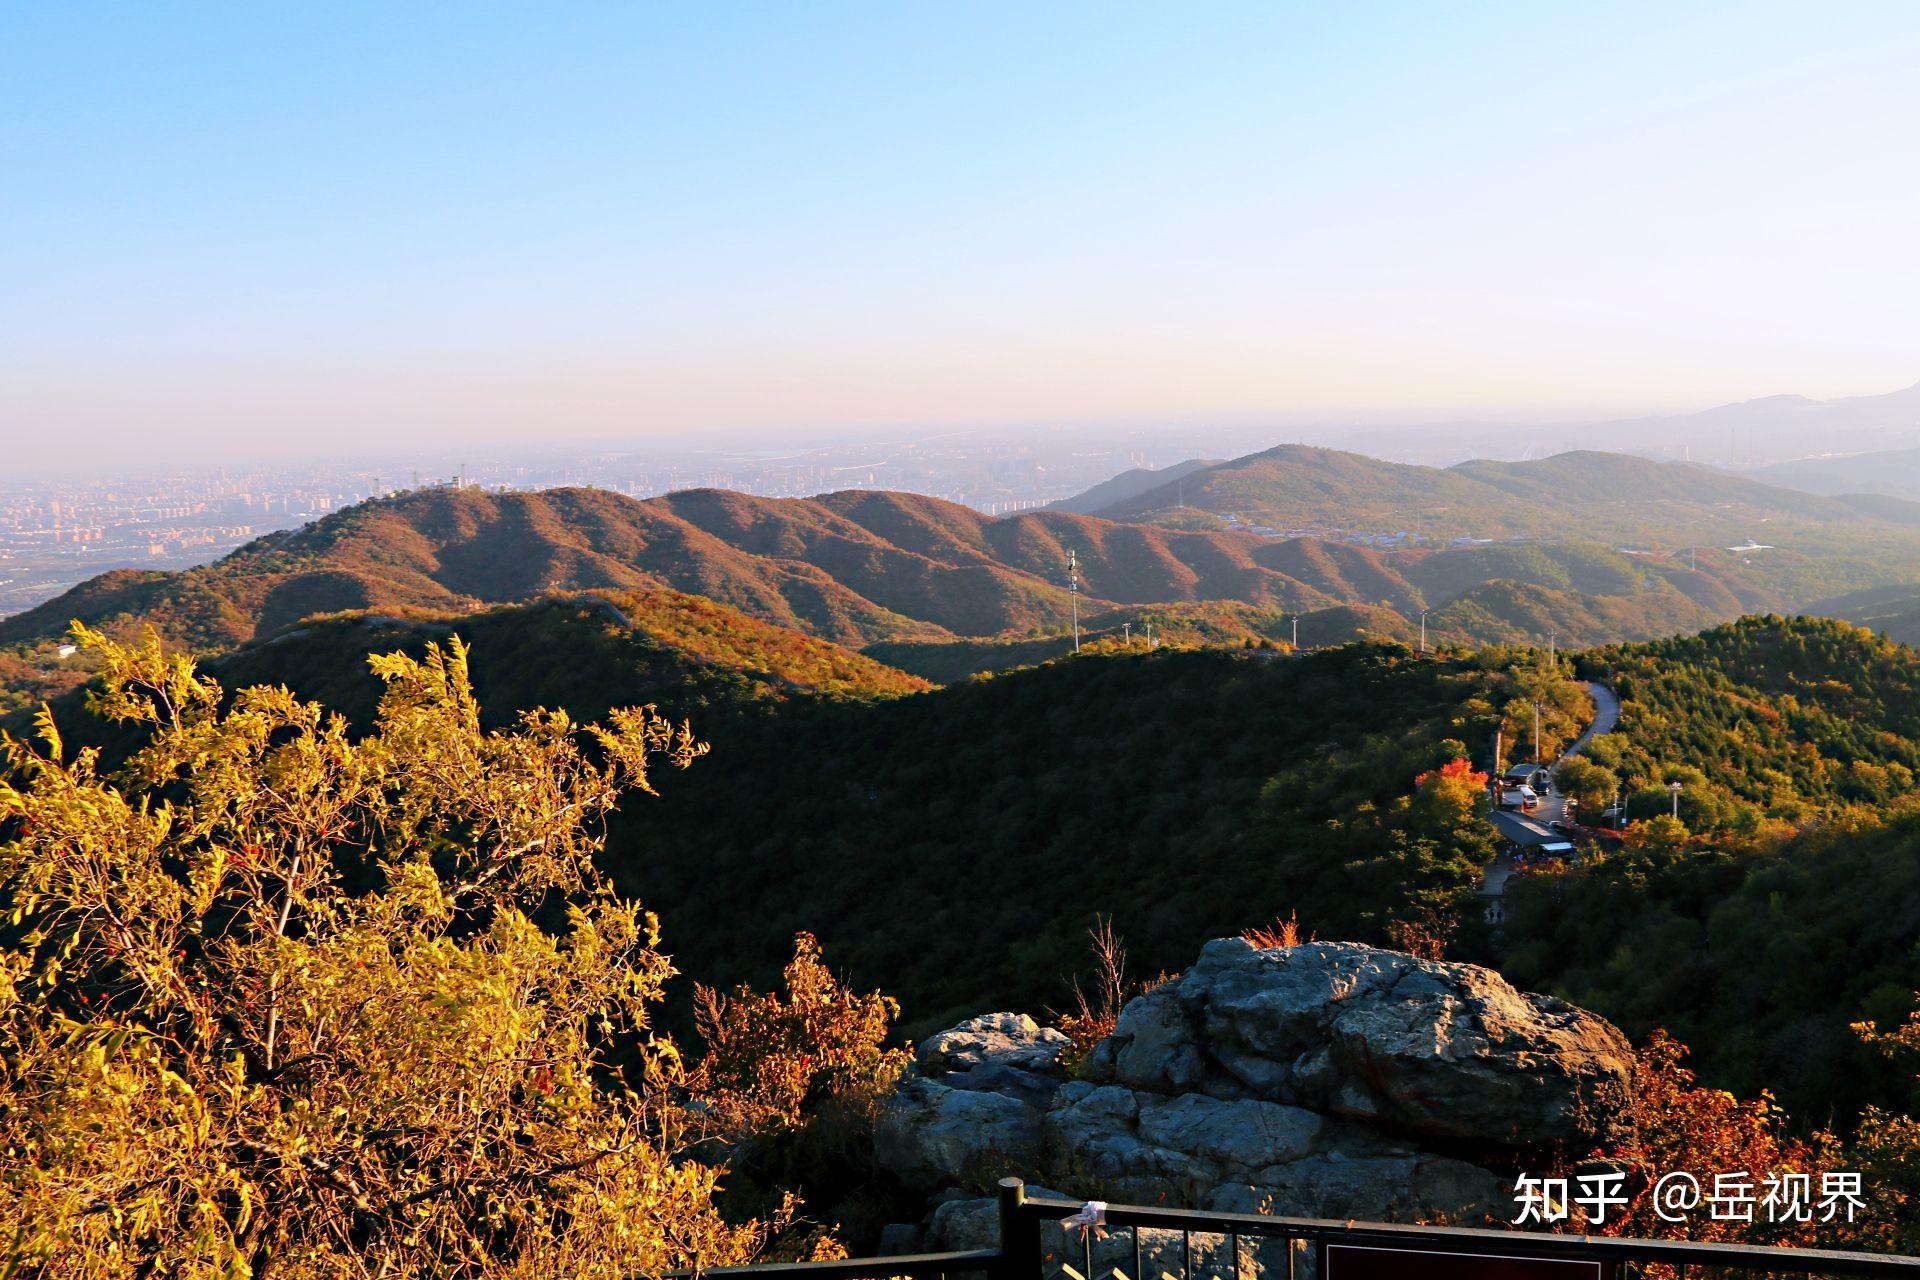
(1091, 1216)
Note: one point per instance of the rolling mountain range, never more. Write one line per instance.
(1773, 427)
(854, 567)
(1591, 548)
(1580, 494)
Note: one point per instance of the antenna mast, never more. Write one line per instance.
(1073, 588)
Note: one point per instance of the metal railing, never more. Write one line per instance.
(1256, 1246)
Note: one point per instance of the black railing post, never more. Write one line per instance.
(1019, 1235)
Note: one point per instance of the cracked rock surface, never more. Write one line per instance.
(1305, 1081)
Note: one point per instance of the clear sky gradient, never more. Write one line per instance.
(270, 227)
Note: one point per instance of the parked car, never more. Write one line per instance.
(1528, 775)
(1524, 799)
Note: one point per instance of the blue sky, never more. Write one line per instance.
(245, 226)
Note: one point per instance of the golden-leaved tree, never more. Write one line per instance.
(279, 1001)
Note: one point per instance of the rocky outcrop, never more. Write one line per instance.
(933, 1135)
(1412, 1046)
(1322, 1080)
(1000, 1053)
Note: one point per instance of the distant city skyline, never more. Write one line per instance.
(358, 229)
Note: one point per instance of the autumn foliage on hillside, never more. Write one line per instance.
(277, 1000)
(776, 1061)
(1683, 1128)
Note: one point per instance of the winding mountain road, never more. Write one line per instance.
(1535, 828)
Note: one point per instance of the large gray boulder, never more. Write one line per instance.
(933, 1136)
(1006, 1053)
(1308, 1081)
(1417, 1047)
(1003, 1039)
(971, 1223)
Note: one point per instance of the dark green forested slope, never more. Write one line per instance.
(953, 847)
(1761, 958)
(1790, 907)
(1773, 718)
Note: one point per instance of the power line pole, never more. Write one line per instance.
(1538, 758)
(1126, 634)
(1423, 631)
(1296, 633)
(1073, 588)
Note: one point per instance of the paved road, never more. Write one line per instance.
(1533, 828)
(1606, 714)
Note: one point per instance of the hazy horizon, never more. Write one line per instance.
(362, 230)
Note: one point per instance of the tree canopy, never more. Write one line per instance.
(278, 1000)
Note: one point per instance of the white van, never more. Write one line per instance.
(1523, 798)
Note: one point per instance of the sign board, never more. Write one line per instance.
(1369, 1262)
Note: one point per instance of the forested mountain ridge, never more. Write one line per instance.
(1820, 543)
(854, 567)
(1784, 906)
(1619, 494)
(954, 846)
(1780, 718)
